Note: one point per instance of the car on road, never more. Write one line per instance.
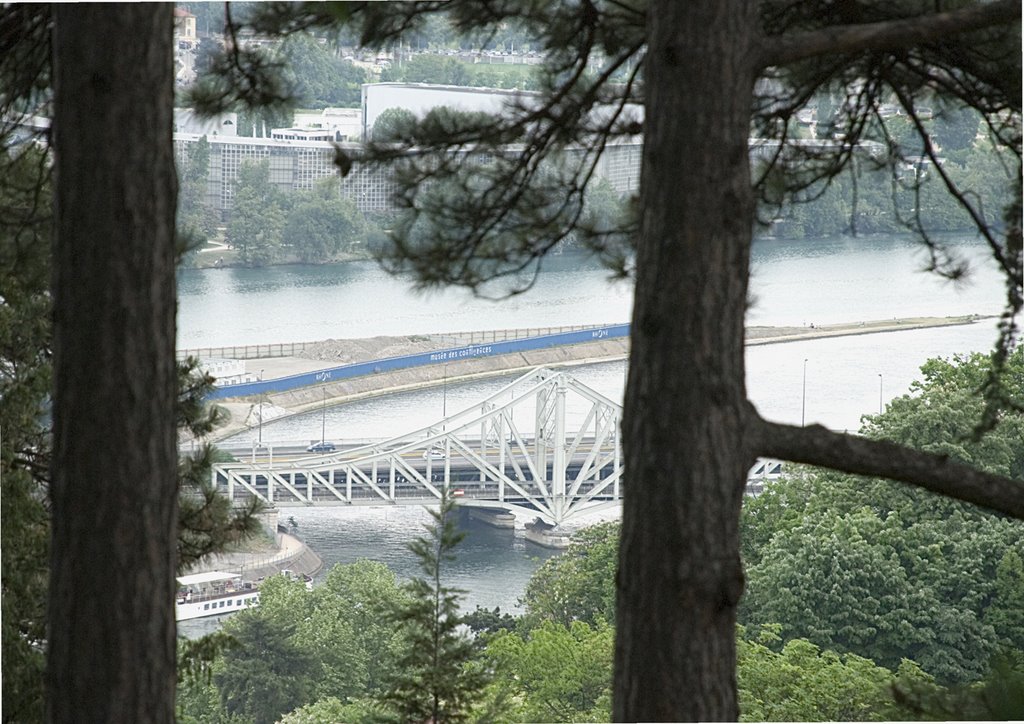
(434, 453)
(322, 447)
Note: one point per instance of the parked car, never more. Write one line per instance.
(322, 447)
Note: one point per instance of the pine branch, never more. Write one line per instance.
(888, 35)
(815, 445)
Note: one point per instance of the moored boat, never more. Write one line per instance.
(212, 594)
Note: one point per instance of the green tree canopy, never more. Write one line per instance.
(267, 673)
(803, 683)
(888, 572)
(321, 224)
(553, 673)
(437, 676)
(392, 123)
(321, 77)
(578, 585)
(258, 215)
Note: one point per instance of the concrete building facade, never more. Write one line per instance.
(301, 156)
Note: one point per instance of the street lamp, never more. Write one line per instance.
(444, 399)
(879, 393)
(803, 397)
(323, 419)
(260, 441)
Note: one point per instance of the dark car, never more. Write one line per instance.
(322, 447)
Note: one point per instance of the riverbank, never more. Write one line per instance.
(776, 335)
(243, 411)
(288, 553)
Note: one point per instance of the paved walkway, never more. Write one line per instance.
(290, 554)
(241, 411)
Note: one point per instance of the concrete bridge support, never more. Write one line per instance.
(494, 517)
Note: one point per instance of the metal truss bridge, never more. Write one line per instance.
(560, 456)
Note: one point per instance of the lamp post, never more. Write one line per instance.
(444, 399)
(260, 441)
(803, 397)
(879, 393)
(323, 419)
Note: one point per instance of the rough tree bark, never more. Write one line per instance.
(111, 654)
(686, 397)
(689, 432)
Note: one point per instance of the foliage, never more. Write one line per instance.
(436, 677)
(207, 522)
(196, 216)
(392, 124)
(267, 673)
(259, 122)
(484, 623)
(578, 585)
(446, 70)
(1006, 612)
(321, 223)
(803, 683)
(553, 673)
(336, 640)
(198, 702)
(258, 215)
(321, 78)
(25, 372)
(999, 697)
(331, 711)
(839, 581)
(887, 571)
(944, 407)
(268, 224)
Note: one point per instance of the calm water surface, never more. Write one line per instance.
(793, 283)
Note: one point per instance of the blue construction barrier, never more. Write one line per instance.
(283, 384)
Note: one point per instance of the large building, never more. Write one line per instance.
(301, 156)
(418, 98)
(295, 165)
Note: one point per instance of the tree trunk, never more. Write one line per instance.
(686, 455)
(111, 655)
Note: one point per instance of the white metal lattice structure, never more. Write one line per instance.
(563, 460)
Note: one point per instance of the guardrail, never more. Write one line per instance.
(291, 349)
(441, 356)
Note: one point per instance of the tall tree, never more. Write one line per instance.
(258, 215)
(712, 71)
(437, 677)
(24, 443)
(111, 642)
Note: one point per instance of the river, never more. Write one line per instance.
(794, 283)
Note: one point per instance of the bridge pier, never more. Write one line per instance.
(494, 517)
(547, 535)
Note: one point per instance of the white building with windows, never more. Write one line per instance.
(295, 164)
(302, 155)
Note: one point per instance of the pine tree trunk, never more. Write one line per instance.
(683, 426)
(111, 655)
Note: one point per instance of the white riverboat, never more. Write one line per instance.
(212, 594)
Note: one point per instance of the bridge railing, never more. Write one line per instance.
(293, 349)
(436, 357)
(251, 351)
